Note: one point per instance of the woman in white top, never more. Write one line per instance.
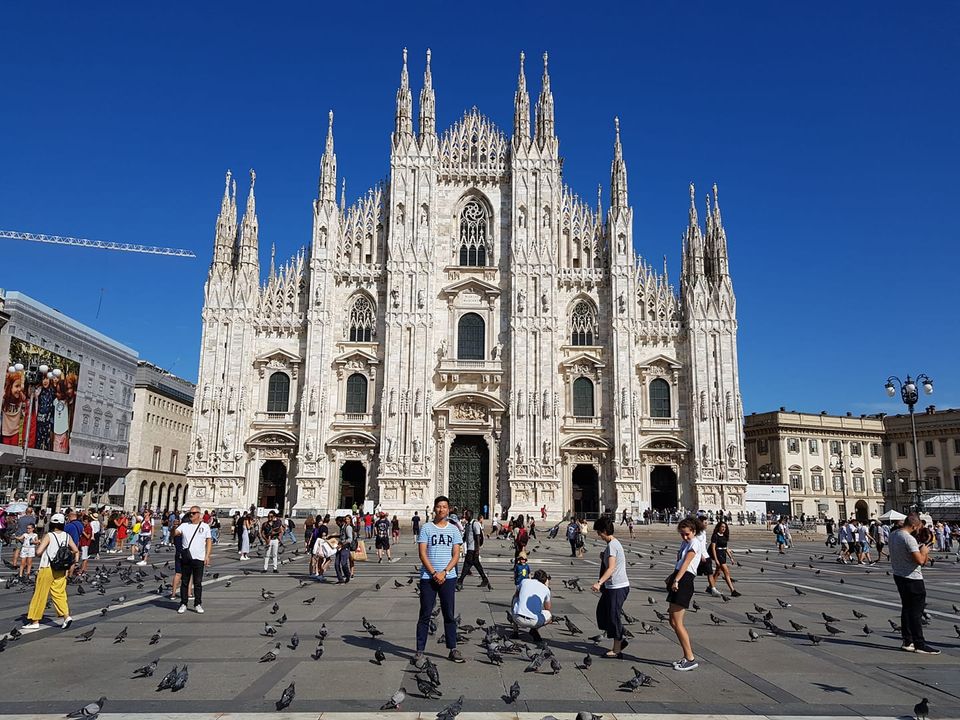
(51, 583)
(680, 585)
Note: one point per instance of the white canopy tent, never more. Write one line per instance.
(892, 516)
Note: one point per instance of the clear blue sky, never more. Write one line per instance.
(831, 128)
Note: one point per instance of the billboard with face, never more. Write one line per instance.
(39, 398)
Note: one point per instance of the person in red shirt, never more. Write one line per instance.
(86, 539)
(206, 516)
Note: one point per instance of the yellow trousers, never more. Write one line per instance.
(52, 583)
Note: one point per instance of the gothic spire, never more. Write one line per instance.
(428, 105)
(249, 240)
(343, 195)
(328, 167)
(719, 244)
(404, 117)
(273, 260)
(692, 243)
(545, 129)
(521, 106)
(226, 224)
(618, 173)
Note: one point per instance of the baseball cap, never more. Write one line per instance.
(58, 519)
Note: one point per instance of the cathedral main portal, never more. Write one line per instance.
(273, 485)
(663, 488)
(469, 485)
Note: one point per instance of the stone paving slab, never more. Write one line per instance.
(852, 675)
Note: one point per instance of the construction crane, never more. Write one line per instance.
(96, 244)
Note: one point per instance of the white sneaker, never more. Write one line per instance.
(31, 626)
(142, 563)
(198, 608)
(132, 557)
(181, 610)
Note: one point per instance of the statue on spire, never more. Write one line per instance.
(404, 118)
(545, 126)
(328, 166)
(428, 105)
(521, 106)
(618, 173)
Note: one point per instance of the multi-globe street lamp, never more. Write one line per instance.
(909, 393)
(101, 454)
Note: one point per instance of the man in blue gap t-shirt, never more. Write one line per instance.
(439, 546)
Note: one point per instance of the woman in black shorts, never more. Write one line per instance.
(721, 555)
(680, 587)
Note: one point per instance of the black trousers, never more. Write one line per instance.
(472, 560)
(913, 600)
(192, 569)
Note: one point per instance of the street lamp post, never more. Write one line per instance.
(910, 394)
(101, 454)
(836, 463)
(33, 376)
(768, 477)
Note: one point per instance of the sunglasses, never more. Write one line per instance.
(194, 512)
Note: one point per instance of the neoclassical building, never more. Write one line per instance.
(471, 327)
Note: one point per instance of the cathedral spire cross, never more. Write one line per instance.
(328, 166)
(428, 105)
(521, 106)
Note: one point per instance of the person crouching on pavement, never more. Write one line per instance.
(532, 605)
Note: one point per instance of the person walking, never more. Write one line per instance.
(341, 562)
(613, 586)
(271, 531)
(680, 588)
(415, 524)
(145, 536)
(907, 558)
(573, 532)
(439, 549)
(194, 557)
(52, 583)
(381, 532)
(721, 556)
(473, 541)
(780, 534)
(395, 530)
(28, 550)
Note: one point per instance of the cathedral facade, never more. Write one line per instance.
(469, 327)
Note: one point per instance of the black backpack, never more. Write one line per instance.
(63, 559)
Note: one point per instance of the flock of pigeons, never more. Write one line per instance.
(496, 643)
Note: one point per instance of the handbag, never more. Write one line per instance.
(63, 558)
(185, 555)
(669, 581)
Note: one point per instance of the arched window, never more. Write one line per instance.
(356, 393)
(470, 331)
(278, 393)
(583, 324)
(582, 397)
(361, 321)
(473, 234)
(659, 399)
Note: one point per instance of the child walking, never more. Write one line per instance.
(28, 551)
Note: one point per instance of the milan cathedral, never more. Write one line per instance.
(469, 327)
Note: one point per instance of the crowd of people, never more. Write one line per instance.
(50, 550)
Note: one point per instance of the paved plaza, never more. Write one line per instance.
(854, 674)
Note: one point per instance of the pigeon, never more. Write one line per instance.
(289, 693)
(650, 600)
(783, 604)
(294, 642)
(571, 628)
(514, 691)
(751, 617)
(628, 619)
(814, 638)
(310, 601)
(89, 711)
(956, 629)
(859, 615)
(647, 629)
(155, 638)
(166, 682)
(586, 715)
(180, 681)
(318, 653)
(535, 662)
(88, 635)
(798, 591)
(452, 710)
(266, 594)
(379, 656)
(269, 630)
(268, 656)
(494, 656)
(555, 665)
(374, 632)
(121, 636)
(322, 632)
(695, 606)
(867, 630)
(147, 670)
(753, 634)
(661, 616)
(640, 679)
(80, 590)
(759, 609)
(829, 618)
(432, 672)
(920, 710)
(427, 688)
(896, 628)
(587, 662)
(797, 626)
(282, 619)
(833, 630)
(716, 620)
(394, 702)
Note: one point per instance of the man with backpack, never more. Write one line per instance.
(473, 539)
(573, 530)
